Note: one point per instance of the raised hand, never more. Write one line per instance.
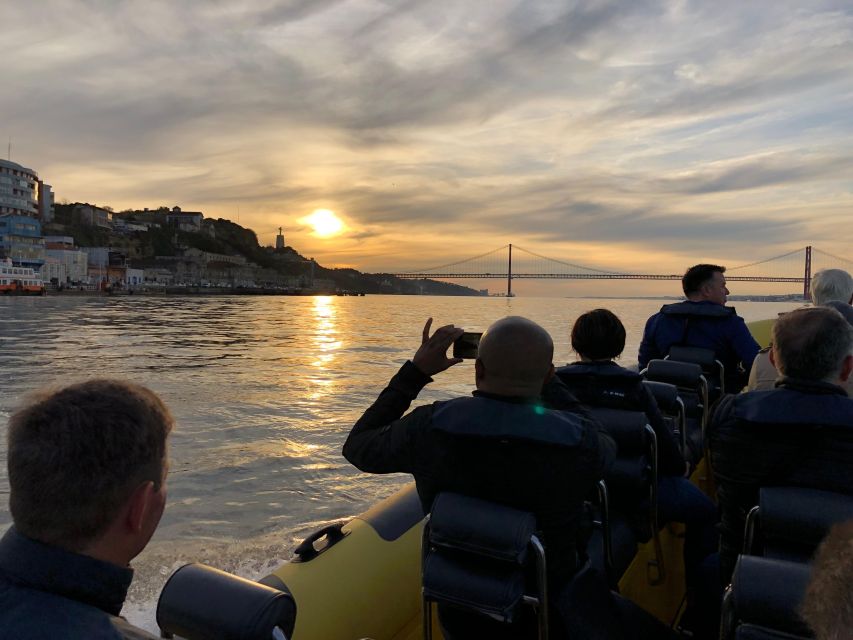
(431, 357)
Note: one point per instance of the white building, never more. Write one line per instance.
(53, 270)
(134, 277)
(74, 261)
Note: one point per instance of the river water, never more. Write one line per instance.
(264, 391)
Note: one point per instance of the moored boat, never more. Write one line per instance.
(19, 280)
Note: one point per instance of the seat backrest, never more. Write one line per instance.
(693, 390)
(631, 474)
(766, 594)
(792, 521)
(684, 375)
(672, 409)
(712, 368)
(475, 556)
(199, 602)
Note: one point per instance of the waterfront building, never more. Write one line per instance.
(54, 271)
(18, 194)
(134, 277)
(20, 240)
(60, 250)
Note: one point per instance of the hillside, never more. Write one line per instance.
(149, 239)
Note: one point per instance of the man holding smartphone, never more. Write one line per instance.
(501, 444)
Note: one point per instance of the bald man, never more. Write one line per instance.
(501, 444)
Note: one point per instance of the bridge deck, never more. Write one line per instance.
(583, 276)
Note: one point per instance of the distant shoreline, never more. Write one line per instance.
(791, 297)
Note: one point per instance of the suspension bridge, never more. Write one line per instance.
(511, 262)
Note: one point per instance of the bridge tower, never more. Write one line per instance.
(807, 276)
(509, 274)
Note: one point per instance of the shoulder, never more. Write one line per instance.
(37, 615)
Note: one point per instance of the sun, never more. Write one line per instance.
(325, 223)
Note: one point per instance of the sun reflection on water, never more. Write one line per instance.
(325, 341)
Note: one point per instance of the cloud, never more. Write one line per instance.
(664, 127)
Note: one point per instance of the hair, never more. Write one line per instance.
(830, 285)
(812, 343)
(828, 602)
(697, 275)
(76, 455)
(598, 335)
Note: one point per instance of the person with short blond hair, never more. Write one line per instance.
(87, 487)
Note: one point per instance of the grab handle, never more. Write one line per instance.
(307, 551)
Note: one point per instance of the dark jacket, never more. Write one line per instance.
(606, 384)
(508, 450)
(47, 592)
(799, 434)
(702, 324)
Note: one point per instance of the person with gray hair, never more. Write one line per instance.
(829, 288)
(832, 285)
(798, 434)
(505, 444)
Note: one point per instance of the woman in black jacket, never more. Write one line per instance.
(598, 337)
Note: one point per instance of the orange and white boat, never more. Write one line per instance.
(19, 280)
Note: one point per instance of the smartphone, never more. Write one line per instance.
(466, 345)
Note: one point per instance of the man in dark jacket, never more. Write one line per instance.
(799, 434)
(87, 477)
(704, 321)
(500, 445)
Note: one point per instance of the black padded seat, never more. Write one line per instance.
(712, 368)
(475, 559)
(199, 602)
(630, 477)
(792, 521)
(692, 387)
(765, 594)
(684, 375)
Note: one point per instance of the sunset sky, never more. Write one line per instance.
(636, 135)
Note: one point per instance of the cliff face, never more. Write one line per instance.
(148, 240)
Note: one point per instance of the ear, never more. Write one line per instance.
(550, 374)
(846, 368)
(139, 505)
(479, 370)
(772, 355)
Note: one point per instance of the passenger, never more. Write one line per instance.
(704, 321)
(87, 486)
(799, 434)
(503, 445)
(828, 604)
(598, 337)
(829, 288)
